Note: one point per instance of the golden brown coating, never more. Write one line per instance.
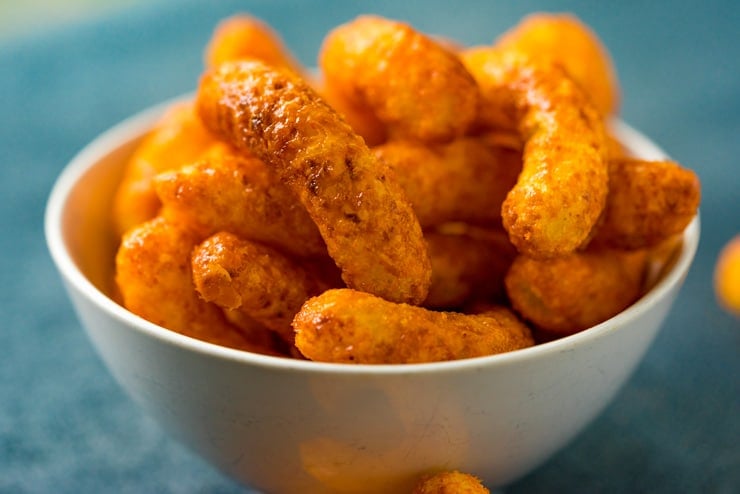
(561, 191)
(450, 482)
(413, 84)
(464, 180)
(243, 36)
(566, 40)
(255, 279)
(230, 191)
(368, 225)
(153, 275)
(349, 326)
(572, 293)
(726, 279)
(178, 138)
(361, 118)
(467, 264)
(648, 202)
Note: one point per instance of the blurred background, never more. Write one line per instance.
(30, 16)
(71, 69)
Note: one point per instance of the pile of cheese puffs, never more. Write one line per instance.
(410, 200)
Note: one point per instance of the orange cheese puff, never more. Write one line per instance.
(572, 293)
(255, 279)
(566, 40)
(153, 275)
(235, 192)
(349, 326)
(467, 263)
(561, 191)
(241, 37)
(648, 202)
(365, 219)
(178, 138)
(450, 482)
(414, 85)
(361, 118)
(727, 276)
(464, 180)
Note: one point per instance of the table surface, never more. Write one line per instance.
(65, 426)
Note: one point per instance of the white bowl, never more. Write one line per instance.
(290, 426)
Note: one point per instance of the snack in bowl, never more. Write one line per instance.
(221, 372)
(280, 166)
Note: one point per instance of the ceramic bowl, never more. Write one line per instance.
(288, 426)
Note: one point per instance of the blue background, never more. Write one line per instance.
(65, 426)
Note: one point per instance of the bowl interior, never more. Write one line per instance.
(82, 244)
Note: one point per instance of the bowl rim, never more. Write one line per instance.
(135, 126)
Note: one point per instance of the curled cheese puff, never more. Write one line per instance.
(561, 191)
(450, 482)
(153, 275)
(648, 202)
(178, 138)
(565, 39)
(464, 180)
(349, 326)
(367, 223)
(361, 118)
(574, 292)
(414, 85)
(235, 192)
(467, 263)
(726, 278)
(261, 282)
(244, 36)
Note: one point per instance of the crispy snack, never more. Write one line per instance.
(564, 39)
(178, 138)
(361, 118)
(235, 192)
(242, 37)
(364, 217)
(648, 202)
(153, 275)
(467, 264)
(414, 85)
(348, 326)
(572, 293)
(450, 482)
(464, 180)
(257, 280)
(727, 276)
(561, 191)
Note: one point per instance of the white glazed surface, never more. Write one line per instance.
(288, 426)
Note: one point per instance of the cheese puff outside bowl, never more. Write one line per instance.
(282, 425)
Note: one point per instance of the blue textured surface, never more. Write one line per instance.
(65, 426)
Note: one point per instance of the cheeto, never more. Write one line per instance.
(153, 275)
(561, 191)
(566, 40)
(235, 192)
(366, 221)
(361, 118)
(464, 180)
(414, 85)
(467, 264)
(241, 37)
(648, 202)
(241, 275)
(349, 326)
(574, 292)
(178, 138)
(450, 482)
